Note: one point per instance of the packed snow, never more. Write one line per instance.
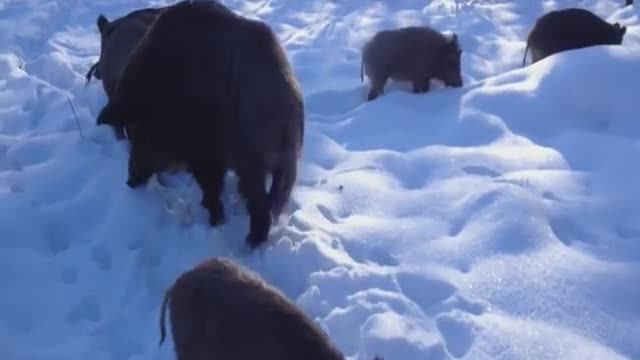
(500, 220)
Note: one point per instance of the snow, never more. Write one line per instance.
(495, 221)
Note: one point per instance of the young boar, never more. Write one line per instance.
(569, 29)
(213, 91)
(220, 310)
(416, 54)
(117, 39)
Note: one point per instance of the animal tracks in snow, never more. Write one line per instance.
(463, 223)
(86, 309)
(458, 333)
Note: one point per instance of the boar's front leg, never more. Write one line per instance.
(106, 117)
(139, 169)
(210, 177)
(378, 81)
(421, 85)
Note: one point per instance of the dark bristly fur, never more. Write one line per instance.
(117, 39)
(213, 91)
(414, 53)
(570, 29)
(221, 310)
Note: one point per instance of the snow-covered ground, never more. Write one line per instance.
(500, 220)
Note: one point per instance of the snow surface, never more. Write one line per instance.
(495, 221)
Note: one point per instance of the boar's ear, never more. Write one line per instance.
(102, 23)
(453, 44)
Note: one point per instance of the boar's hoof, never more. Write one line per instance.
(216, 215)
(135, 182)
(255, 240)
(372, 96)
(216, 211)
(421, 87)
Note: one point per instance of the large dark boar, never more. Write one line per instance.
(117, 39)
(569, 29)
(414, 53)
(220, 310)
(213, 91)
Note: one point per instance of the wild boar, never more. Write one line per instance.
(117, 39)
(221, 310)
(570, 29)
(414, 53)
(214, 91)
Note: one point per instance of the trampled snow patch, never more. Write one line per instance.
(495, 221)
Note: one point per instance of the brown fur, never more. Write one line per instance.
(220, 310)
(416, 54)
(570, 29)
(118, 38)
(214, 91)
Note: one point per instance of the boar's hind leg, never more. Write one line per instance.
(210, 177)
(251, 181)
(421, 85)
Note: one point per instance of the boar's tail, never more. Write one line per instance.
(524, 58)
(361, 68)
(163, 311)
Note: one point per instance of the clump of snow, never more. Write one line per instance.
(495, 221)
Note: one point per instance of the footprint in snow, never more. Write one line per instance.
(88, 308)
(326, 213)
(102, 257)
(480, 170)
(69, 275)
(367, 253)
(475, 207)
(458, 334)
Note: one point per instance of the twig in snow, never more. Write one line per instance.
(76, 116)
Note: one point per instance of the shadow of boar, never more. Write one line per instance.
(221, 310)
(570, 29)
(213, 91)
(416, 54)
(118, 38)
